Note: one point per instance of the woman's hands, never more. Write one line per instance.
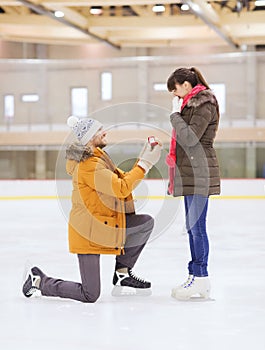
(176, 104)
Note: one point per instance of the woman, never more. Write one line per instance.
(193, 168)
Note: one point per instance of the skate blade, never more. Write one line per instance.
(119, 291)
(27, 267)
(194, 298)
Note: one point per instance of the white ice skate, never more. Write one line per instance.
(198, 287)
(188, 281)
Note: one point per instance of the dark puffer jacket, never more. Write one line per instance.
(197, 170)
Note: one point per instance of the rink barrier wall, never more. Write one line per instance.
(58, 138)
(48, 190)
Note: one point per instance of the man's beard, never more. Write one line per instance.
(101, 145)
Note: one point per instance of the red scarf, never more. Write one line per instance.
(171, 157)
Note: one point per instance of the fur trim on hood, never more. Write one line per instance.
(201, 98)
(78, 152)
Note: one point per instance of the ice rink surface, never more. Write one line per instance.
(35, 229)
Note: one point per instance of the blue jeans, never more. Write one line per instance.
(196, 210)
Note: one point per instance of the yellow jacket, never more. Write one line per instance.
(102, 195)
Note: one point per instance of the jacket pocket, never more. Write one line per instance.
(106, 232)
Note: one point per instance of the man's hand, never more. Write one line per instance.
(149, 156)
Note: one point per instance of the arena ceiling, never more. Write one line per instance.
(133, 23)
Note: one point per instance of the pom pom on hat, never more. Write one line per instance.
(84, 129)
(71, 121)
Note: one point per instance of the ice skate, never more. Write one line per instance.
(31, 286)
(129, 284)
(189, 279)
(198, 287)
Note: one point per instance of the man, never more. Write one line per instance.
(102, 219)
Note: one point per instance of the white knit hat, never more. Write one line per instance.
(84, 129)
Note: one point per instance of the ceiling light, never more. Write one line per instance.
(185, 7)
(158, 8)
(195, 7)
(96, 10)
(58, 14)
(260, 3)
(239, 6)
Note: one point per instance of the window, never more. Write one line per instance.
(30, 98)
(106, 86)
(9, 106)
(160, 87)
(79, 102)
(219, 91)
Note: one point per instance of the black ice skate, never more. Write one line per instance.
(31, 286)
(129, 284)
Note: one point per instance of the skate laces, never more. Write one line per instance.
(132, 274)
(32, 290)
(189, 279)
(189, 282)
(34, 280)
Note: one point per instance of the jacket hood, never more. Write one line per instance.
(78, 152)
(201, 98)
